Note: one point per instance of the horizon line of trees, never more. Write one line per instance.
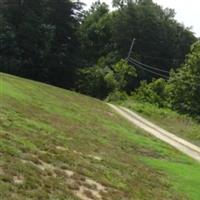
(60, 43)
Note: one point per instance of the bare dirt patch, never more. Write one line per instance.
(95, 157)
(18, 180)
(77, 152)
(61, 148)
(1, 171)
(82, 186)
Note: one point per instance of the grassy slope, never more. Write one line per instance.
(36, 119)
(181, 125)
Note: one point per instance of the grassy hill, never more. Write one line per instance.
(57, 144)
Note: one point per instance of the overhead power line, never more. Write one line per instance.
(161, 58)
(148, 70)
(143, 66)
(148, 66)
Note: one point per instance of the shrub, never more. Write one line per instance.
(101, 80)
(184, 85)
(154, 92)
(117, 96)
(92, 82)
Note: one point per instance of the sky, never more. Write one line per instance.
(187, 11)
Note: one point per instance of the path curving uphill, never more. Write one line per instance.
(177, 142)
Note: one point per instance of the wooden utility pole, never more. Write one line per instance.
(131, 49)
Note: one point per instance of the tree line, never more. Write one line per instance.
(61, 43)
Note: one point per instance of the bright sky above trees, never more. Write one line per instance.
(187, 11)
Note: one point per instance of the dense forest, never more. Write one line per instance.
(61, 43)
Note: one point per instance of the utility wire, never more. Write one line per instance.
(144, 66)
(148, 70)
(148, 66)
(160, 58)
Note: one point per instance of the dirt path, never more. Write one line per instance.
(180, 144)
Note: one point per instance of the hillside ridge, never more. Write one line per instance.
(57, 144)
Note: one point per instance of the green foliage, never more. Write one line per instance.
(155, 30)
(124, 74)
(181, 91)
(102, 79)
(39, 40)
(8, 48)
(154, 92)
(51, 41)
(117, 96)
(184, 85)
(95, 33)
(92, 82)
(157, 42)
(121, 3)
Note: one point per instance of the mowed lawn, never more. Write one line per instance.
(57, 144)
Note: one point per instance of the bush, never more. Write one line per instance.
(92, 82)
(101, 80)
(154, 92)
(117, 96)
(184, 85)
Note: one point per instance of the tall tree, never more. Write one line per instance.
(63, 57)
(160, 40)
(45, 37)
(26, 19)
(8, 48)
(184, 85)
(95, 33)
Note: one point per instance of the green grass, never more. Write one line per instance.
(177, 170)
(181, 125)
(44, 124)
